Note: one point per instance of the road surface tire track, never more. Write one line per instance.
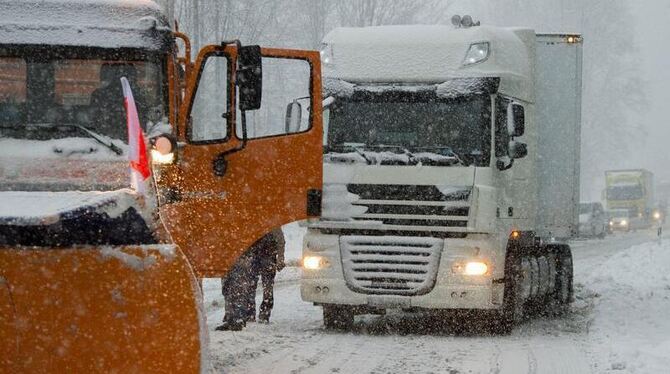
(296, 342)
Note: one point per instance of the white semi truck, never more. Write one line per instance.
(451, 172)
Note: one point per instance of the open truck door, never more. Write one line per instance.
(242, 172)
(74, 299)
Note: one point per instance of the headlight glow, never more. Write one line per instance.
(314, 262)
(624, 222)
(475, 268)
(161, 159)
(477, 53)
(657, 215)
(611, 223)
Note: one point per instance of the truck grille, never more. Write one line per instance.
(412, 205)
(390, 265)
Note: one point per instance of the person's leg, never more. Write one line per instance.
(255, 262)
(234, 292)
(232, 318)
(268, 281)
(250, 297)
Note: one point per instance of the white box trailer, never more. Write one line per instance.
(558, 99)
(451, 172)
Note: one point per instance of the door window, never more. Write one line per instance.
(284, 81)
(209, 115)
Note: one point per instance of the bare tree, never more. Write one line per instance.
(388, 12)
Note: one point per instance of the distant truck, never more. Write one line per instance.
(451, 172)
(632, 190)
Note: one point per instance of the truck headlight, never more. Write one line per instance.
(161, 159)
(477, 53)
(624, 222)
(314, 262)
(473, 268)
(162, 149)
(657, 215)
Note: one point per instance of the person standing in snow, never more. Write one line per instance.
(268, 259)
(264, 258)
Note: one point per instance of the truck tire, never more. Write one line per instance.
(513, 304)
(603, 233)
(338, 317)
(563, 291)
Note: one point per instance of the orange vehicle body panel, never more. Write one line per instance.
(265, 185)
(135, 309)
(82, 310)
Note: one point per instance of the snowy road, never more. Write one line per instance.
(589, 340)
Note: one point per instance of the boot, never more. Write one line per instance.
(231, 326)
(263, 317)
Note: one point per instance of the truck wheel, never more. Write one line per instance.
(563, 291)
(338, 317)
(603, 233)
(513, 304)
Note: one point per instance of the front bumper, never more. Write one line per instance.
(618, 226)
(443, 296)
(450, 290)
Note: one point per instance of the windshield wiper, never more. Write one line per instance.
(399, 147)
(350, 146)
(98, 137)
(362, 154)
(410, 155)
(453, 153)
(92, 134)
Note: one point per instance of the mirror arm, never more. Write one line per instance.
(237, 43)
(502, 166)
(220, 163)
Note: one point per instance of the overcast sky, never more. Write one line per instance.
(653, 38)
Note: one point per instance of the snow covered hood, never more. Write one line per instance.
(20, 208)
(95, 23)
(61, 165)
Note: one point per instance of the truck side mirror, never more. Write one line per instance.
(517, 150)
(293, 117)
(518, 120)
(506, 164)
(250, 77)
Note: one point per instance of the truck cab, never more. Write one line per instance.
(632, 190)
(99, 272)
(441, 149)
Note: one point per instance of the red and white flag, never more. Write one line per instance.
(139, 161)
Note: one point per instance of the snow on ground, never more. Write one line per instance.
(631, 328)
(617, 325)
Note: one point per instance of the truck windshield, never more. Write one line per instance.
(44, 97)
(625, 192)
(461, 126)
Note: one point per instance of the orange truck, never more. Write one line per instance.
(96, 276)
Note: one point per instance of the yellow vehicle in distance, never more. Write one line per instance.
(632, 190)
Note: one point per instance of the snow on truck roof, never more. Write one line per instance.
(417, 54)
(90, 23)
